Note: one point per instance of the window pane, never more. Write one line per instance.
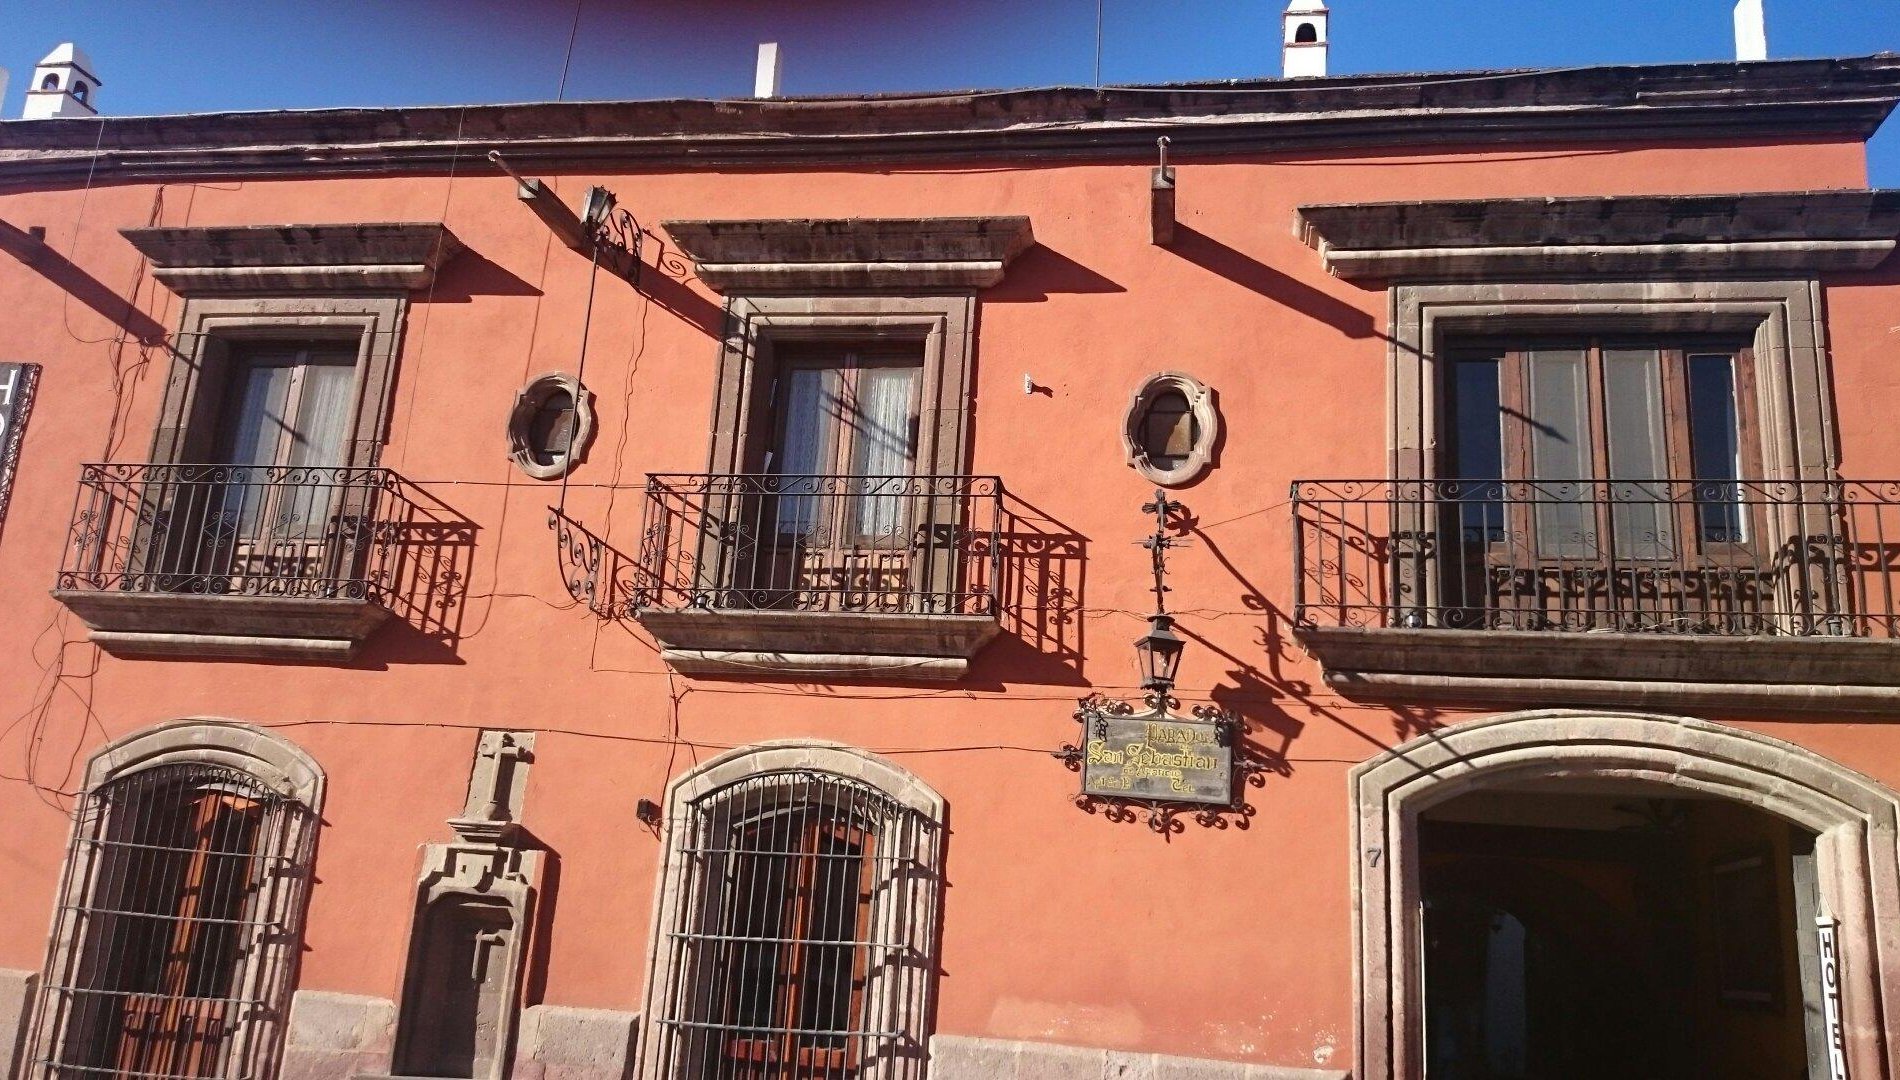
(807, 396)
(323, 413)
(1478, 449)
(882, 451)
(1715, 446)
(1639, 463)
(1168, 434)
(1560, 453)
(551, 430)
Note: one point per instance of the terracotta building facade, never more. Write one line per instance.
(694, 589)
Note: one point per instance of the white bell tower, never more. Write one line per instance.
(1307, 35)
(63, 85)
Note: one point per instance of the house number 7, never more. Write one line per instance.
(1373, 855)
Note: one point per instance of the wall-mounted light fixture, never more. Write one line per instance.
(601, 230)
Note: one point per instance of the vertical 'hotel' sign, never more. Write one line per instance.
(1831, 998)
(16, 398)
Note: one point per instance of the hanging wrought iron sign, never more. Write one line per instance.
(1156, 756)
(1154, 759)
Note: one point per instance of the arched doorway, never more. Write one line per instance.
(1406, 798)
(1578, 930)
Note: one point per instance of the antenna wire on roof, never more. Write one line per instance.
(1098, 44)
(573, 32)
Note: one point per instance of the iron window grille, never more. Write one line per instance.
(797, 949)
(176, 934)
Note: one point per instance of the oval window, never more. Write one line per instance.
(550, 427)
(1171, 429)
(551, 430)
(1168, 430)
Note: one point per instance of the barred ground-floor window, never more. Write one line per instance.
(179, 919)
(797, 919)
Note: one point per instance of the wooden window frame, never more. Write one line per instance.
(1674, 350)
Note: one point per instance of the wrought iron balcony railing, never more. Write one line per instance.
(906, 545)
(1733, 557)
(236, 530)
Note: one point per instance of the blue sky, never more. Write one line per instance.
(193, 55)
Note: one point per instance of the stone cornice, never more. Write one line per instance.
(1476, 239)
(1837, 98)
(814, 255)
(380, 256)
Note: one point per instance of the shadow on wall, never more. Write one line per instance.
(1249, 273)
(1039, 600)
(419, 570)
(666, 281)
(92, 292)
(471, 274)
(1042, 271)
(1264, 695)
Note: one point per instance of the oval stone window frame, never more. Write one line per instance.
(521, 420)
(1201, 405)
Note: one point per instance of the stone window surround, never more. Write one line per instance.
(1782, 318)
(1857, 853)
(789, 756)
(528, 402)
(1204, 407)
(943, 325)
(210, 326)
(275, 761)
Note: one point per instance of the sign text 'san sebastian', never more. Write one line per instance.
(1165, 759)
(17, 382)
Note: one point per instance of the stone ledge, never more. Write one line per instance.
(387, 256)
(1825, 674)
(131, 624)
(1454, 239)
(809, 255)
(962, 1057)
(842, 643)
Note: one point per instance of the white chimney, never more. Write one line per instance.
(765, 80)
(63, 85)
(1751, 31)
(3, 88)
(1305, 29)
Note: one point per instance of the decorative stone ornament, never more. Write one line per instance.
(550, 426)
(1171, 429)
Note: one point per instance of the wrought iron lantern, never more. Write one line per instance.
(1156, 759)
(1160, 653)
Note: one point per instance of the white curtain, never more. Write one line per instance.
(883, 447)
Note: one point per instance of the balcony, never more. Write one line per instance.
(849, 576)
(1745, 595)
(252, 562)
